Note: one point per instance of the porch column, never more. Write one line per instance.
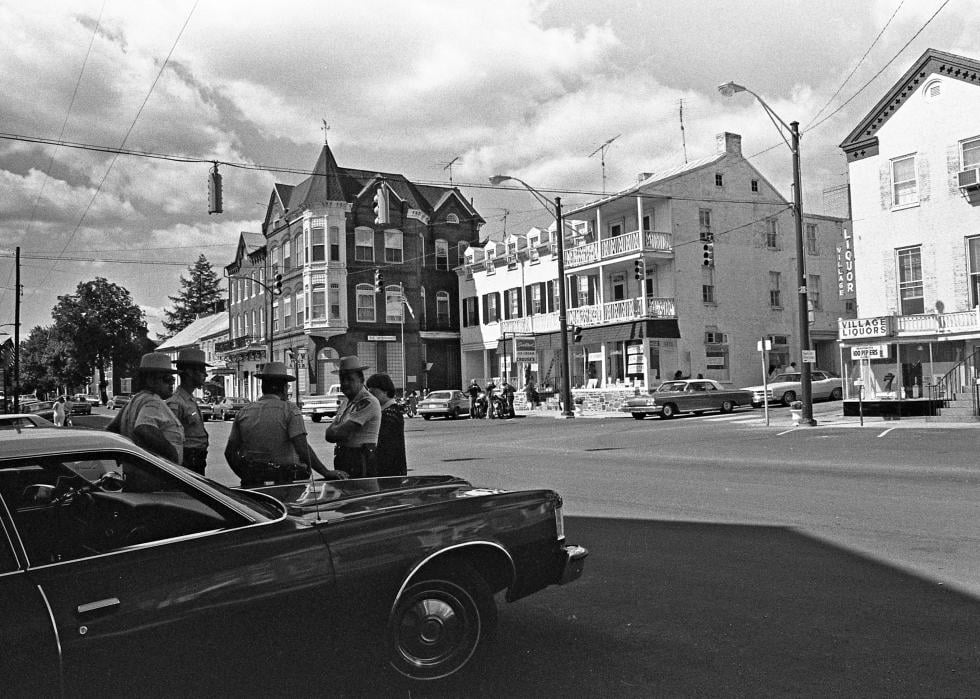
(639, 219)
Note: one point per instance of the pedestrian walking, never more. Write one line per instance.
(390, 453)
(193, 373)
(59, 412)
(413, 404)
(355, 430)
(146, 419)
(268, 441)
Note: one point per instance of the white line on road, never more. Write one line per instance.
(885, 432)
(780, 434)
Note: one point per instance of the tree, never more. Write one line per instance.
(46, 364)
(198, 295)
(101, 327)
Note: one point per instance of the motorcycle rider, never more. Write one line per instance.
(491, 387)
(473, 391)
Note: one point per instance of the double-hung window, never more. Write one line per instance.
(365, 303)
(364, 244)
(774, 300)
(910, 281)
(905, 190)
(442, 254)
(393, 247)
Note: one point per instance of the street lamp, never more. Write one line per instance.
(566, 386)
(803, 308)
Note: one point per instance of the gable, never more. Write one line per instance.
(862, 142)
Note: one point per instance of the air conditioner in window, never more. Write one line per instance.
(969, 178)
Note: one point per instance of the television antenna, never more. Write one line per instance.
(602, 151)
(449, 166)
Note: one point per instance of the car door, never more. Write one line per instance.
(164, 581)
(820, 385)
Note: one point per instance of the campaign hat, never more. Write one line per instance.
(192, 356)
(156, 363)
(349, 363)
(275, 370)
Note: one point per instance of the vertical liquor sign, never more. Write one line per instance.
(845, 263)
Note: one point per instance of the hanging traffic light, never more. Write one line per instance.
(379, 281)
(709, 254)
(638, 267)
(576, 333)
(380, 206)
(214, 191)
(277, 284)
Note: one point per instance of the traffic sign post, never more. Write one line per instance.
(764, 345)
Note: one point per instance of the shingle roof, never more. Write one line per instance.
(192, 334)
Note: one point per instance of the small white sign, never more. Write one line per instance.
(381, 338)
(810, 356)
(858, 382)
(869, 352)
(759, 346)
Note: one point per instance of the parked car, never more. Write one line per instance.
(17, 421)
(122, 566)
(227, 408)
(787, 387)
(329, 404)
(448, 404)
(685, 396)
(80, 405)
(41, 408)
(119, 400)
(207, 410)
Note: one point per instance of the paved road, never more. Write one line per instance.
(727, 558)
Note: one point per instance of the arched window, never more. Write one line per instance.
(365, 303)
(275, 316)
(452, 218)
(442, 254)
(394, 310)
(442, 308)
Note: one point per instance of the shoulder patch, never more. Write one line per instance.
(362, 404)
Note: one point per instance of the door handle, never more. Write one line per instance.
(98, 605)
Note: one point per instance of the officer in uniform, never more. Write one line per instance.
(146, 419)
(192, 370)
(355, 430)
(268, 442)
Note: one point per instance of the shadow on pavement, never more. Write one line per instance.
(682, 609)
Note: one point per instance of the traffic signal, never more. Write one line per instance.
(638, 267)
(709, 254)
(576, 333)
(214, 191)
(379, 281)
(277, 283)
(380, 206)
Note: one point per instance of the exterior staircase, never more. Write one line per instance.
(956, 410)
(959, 392)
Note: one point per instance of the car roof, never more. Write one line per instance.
(15, 444)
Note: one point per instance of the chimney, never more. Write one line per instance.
(728, 143)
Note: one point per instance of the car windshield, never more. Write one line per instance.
(439, 395)
(671, 386)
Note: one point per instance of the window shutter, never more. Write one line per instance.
(550, 297)
(885, 182)
(486, 315)
(507, 294)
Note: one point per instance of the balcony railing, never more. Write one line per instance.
(598, 314)
(929, 323)
(617, 246)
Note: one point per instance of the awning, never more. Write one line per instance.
(636, 330)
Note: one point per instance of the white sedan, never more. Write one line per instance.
(786, 388)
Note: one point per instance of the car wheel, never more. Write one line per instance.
(668, 411)
(836, 394)
(316, 418)
(788, 398)
(438, 623)
(638, 416)
(426, 417)
(727, 406)
(453, 414)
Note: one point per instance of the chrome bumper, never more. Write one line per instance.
(574, 564)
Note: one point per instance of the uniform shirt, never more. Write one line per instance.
(148, 408)
(365, 411)
(183, 405)
(266, 428)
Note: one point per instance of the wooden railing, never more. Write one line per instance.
(617, 246)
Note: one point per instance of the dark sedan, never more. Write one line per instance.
(686, 396)
(123, 574)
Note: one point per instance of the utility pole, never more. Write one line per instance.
(17, 331)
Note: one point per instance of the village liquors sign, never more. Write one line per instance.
(864, 328)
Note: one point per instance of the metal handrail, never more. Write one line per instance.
(947, 387)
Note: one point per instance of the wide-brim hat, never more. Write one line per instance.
(156, 363)
(275, 370)
(349, 363)
(192, 356)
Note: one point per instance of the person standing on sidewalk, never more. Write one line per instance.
(192, 371)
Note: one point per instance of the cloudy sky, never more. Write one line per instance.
(524, 87)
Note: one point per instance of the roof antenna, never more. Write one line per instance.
(683, 139)
(602, 151)
(449, 166)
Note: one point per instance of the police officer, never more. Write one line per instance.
(268, 437)
(192, 371)
(146, 419)
(355, 430)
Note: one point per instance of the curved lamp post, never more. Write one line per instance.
(566, 387)
(793, 143)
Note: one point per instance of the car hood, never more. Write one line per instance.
(330, 500)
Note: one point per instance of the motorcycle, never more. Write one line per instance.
(480, 407)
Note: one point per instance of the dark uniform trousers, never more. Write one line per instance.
(358, 462)
(195, 459)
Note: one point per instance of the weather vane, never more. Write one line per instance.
(325, 128)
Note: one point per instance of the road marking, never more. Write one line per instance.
(885, 432)
(780, 434)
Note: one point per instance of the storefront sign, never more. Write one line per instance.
(381, 338)
(856, 328)
(845, 266)
(524, 349)
(869, 352)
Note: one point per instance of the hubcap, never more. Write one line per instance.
(431, 631)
